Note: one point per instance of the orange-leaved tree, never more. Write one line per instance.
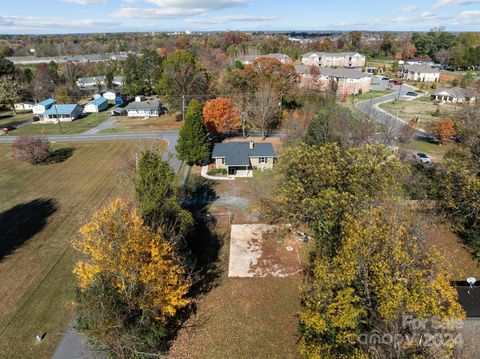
(221, 115)
(443, 129)
(131, 282)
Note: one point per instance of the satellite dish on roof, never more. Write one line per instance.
(471, 281)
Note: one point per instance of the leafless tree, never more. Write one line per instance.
(264, 107)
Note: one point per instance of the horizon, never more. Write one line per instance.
(125, 16)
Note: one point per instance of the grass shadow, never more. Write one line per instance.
(21, 222)
(59, 155)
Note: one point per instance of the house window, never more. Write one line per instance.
(223, 161)
(262, 160)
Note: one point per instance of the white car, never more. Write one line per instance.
(422, 158)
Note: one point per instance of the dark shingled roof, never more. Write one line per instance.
(469, 298)
(239, 153)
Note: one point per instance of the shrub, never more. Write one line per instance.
(31, 149)
(217, 171)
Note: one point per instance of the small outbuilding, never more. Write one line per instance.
(24, 106)
(98, 105)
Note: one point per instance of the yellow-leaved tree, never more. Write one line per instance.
(131, 282)
(361, 302)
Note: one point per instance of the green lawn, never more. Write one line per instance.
(41, 211)
(369, 95)
(429, 148)
(8, 118)
(67, 128)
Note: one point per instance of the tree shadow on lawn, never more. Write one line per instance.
(60, 155)
(21, 222)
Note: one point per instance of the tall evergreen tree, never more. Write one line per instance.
(193, 144)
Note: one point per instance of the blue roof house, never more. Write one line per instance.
(97, 105)
(64, 113)
(42, 106)
(240, 158)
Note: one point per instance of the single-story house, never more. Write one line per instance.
(64, 113)
(249, 59)
(83, 82)
(239, 158)
(149, 108)
(334, 59)
(349, 81)
(455, 94)
(24, 106)
(97, 105)
(422, 73)
(43, 106)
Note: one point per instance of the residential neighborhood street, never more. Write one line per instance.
(370, 107)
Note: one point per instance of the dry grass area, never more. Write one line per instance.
(242, 317)
(453, 249)
(407, 110)
(41, 210)
(168, 121)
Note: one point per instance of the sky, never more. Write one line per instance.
(73, 16)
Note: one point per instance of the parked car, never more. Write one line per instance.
(411, 93)
(385, 79)
(8, 128)
(422, 158)
(396, 83)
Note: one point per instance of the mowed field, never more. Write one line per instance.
(41, 210)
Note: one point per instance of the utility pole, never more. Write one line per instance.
(399, 91)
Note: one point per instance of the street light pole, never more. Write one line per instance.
(399, 91)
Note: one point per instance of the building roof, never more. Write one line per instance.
(303, 69)
(47, 102)
(144, 105)
(251, 58)
(457, 92)
(98, 101)
(469, 298)
(421, 69)
(331, 54)
(343, 73)
(239, 153)
(62, 109)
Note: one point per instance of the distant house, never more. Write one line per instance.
(334, 59)
(249, 59)
(85, 82)
(24, 106)
(149, 108)
(110, 95)
(422, 73)
(455, 95)
(348, 81)
(97, 105)
(63, 113)
(239, 158)
(43, 106)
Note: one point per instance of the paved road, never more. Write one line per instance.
(370, 107)
(170, 137)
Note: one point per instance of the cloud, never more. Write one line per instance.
(443, 3)
(411, 8)
(176, 8)
(231, 18)
(86, 2)
(469, 15)
(32, 22)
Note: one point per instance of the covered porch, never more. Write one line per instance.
(240, 171)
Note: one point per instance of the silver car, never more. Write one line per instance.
(422, 158)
